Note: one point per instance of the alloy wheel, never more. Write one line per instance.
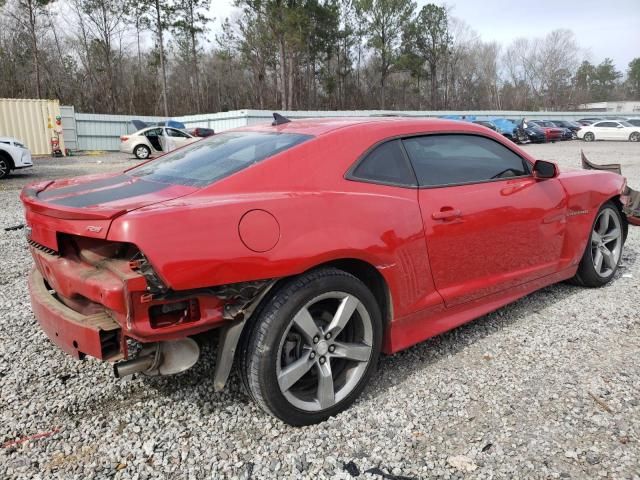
(606, 243)
(4, 168)
(634, 137)
(325, 351)
(142, 152)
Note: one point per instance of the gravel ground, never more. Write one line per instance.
(547, 387)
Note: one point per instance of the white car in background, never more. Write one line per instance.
(148, 141)
(13, 155)
(610, 130)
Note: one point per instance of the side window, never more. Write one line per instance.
(455, 159)
(386, 164)
(607, 124)
(172, 132)
(154, 132)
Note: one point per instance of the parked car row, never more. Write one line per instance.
(591, 120)
(541, 131)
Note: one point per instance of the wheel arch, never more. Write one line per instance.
(362, 270)
(7, 156)
(373, 280)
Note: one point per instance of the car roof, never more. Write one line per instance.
(319, 126)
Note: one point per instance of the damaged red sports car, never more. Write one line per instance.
(312, 246)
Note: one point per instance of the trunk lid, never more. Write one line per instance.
(87, 205)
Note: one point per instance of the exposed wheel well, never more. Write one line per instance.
(625, 223)
(8, 158)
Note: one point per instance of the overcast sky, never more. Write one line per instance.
(604, 28)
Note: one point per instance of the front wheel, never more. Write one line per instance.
(313, 347)
(634, 137)
(589, 137)
(601, 257)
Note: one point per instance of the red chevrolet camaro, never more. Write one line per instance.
(311, 246)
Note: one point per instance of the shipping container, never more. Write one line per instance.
(33, 122)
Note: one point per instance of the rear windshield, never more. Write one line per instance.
(216, 157)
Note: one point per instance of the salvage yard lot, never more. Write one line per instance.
(547, 387)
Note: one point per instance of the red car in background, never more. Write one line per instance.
(551, 131)
(312, 246)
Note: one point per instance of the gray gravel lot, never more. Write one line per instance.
(548, 387)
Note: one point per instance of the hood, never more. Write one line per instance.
(99, 197)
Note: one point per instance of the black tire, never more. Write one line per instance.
(262, 348)
(5, 167)
(634, 137)
(138, 152)
(587, 276)
(589, 137)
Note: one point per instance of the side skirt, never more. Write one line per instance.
(415, 328)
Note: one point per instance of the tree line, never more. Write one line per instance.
(161, 57)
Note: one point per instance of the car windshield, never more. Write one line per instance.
(211, 159)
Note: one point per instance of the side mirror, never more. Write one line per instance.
(544, 169)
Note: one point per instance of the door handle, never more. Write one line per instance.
(446, 213)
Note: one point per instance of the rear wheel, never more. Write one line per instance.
(634, 137)
(589, 137)
(142, 152)
(604, 250)
(5, 168)
(313, 347)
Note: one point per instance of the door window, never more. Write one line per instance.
(440, 160)
(154, 132)
(172, 132)
(606, 125)
(385, 164)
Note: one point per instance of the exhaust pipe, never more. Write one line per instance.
(162, 358)
(129, 367)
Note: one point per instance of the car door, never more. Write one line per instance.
(179, 138)
(606, 130)
(617, 132)
(489, 224)
(153, 136)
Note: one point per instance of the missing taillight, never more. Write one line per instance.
(174, 313)
(139, 263)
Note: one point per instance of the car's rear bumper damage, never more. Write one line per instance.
(91, 297)
(97, 334)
